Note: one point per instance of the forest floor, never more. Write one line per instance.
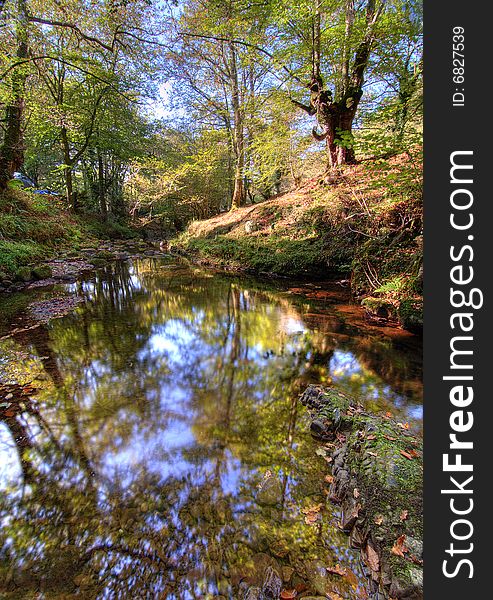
(364, 222)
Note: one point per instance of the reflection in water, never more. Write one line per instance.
(136, 430)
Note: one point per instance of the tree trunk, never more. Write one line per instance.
(339, 124)
(383, 461)
(239, 187)
(101, 186)
(336, 116)
(12, 150)
(238, 134)
(67, 171)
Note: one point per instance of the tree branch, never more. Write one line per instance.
(311, 110)
(68, 64)
(78, 31)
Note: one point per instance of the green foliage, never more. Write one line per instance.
(15, 254)
(110, 229)
(185, 179)
(344, 139)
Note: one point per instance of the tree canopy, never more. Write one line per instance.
(183, 109)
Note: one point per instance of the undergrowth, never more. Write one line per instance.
(34, 227)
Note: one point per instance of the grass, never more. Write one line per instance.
(270, 255)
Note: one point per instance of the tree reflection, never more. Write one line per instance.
(158, 408)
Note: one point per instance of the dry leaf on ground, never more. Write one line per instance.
(399, 548)
(337, 570)
(372, 558)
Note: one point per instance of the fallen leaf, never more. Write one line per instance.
(372, 453)
(335, 596)
(406, 454)
(356, 493)
(378, 520)
(337, 570)
(351, 578)
(372, 558)
(329, 478)
(404, 515)
(399, 548)
(371, 437)
(288, 594)
(388, 415)
(403, 425)
(311, 519)
(312, 514)
(391, 439)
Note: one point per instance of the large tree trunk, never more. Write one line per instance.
(336, 115)
(338, 122)
(377, 479)
(12, 150)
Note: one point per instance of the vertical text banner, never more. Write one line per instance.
(458, 300)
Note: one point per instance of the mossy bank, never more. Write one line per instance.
(377, 478)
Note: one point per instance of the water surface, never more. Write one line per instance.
(135, 431)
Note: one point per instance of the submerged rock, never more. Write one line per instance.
(272, 584)
(253, 593)
(270, 491)
(317, 575)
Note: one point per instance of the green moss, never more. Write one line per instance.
(261, 254)
(386, 460)
(42, 272)
(23, 274)
(410, 314)
(15, 254)
(379, 307)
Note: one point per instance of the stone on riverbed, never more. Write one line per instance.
(270, 491)
(317, 575)
(253, 593)
(272, 584)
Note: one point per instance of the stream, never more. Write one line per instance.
(136, 431)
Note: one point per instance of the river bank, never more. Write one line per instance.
(363, 224)
(377, 479)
